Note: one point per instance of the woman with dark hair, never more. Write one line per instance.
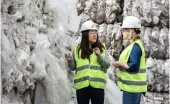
(90, 61)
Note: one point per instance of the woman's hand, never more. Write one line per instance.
(97, 51)
(68, 57)
(116, 64)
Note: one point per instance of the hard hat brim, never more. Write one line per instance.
(130, 27)
(89, 29)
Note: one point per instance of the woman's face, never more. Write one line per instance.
(92, 36)
(125, 33)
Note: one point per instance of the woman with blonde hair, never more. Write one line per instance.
(131, 65)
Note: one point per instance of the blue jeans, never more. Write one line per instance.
(131, 98)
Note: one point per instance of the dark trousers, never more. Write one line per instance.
(131, 98)
(86, 94)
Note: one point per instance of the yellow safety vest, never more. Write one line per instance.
(132, 81)
(88, 73)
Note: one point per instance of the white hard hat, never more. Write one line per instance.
(88, 25)
(131, 22)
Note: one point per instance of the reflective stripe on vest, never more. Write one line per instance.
(89, 78)
(138, 83)
(132, 81)
(89, 73)
(91, 67)
(140, 71)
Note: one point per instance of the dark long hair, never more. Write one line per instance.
(84, 45)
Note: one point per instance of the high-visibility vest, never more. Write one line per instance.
(132, 81)
(88, 73)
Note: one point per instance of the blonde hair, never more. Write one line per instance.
(134, 34)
